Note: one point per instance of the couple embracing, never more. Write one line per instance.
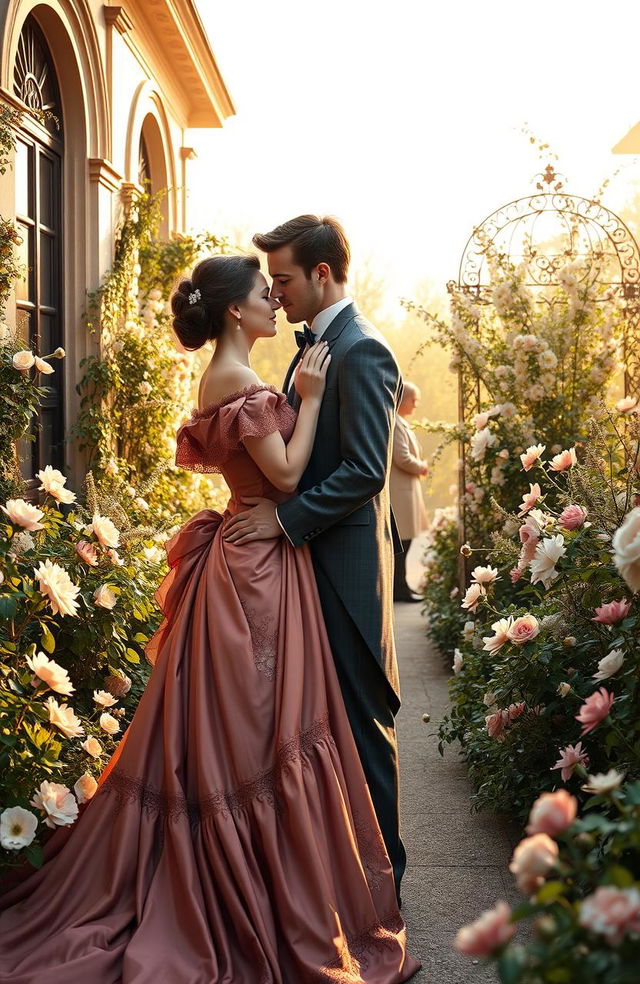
(246, 829)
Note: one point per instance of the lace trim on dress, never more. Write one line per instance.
(356, 953)
(372, 851)
(266, 785)
(264, 639)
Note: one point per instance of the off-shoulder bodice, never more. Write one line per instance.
(212, 440)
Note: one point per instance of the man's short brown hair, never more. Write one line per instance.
(314, 239)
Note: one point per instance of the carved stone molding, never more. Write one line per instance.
(102, 172)
(118, 17)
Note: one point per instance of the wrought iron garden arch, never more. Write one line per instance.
(591, 233)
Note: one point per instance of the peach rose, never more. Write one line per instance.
(571, 756)
(23, 360)
(105, 531)
(532, 456)
(626, 549)
(104, 699)
(104, 597)
(472, 596)
(486, 934)
(561, 462)
(56, 585)
(57, 803)
(523, 629)
(552, 813)
(530, 498)
(22, 513)
(51, 673)
(61, 716)
(501, 635)
(484, 575)
(43, 366)
(612, 912)
(532, 860)
(85, 788)
(572, 517)
(594, 710)
(92, 747)
(87, 552)
(109, 724)
(614, 612)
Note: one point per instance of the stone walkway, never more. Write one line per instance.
(457, 860)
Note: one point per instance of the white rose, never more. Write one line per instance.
(548, 553)
(92, 747)
(51, 673)
(22, 513)
(458, 660)
(61, 716)
(480, 441)
(104, 699)
(609, 664)
(104, 530)
(43, 367)
(17, 828)
(626, 549)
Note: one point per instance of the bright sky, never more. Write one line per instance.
(402, 118)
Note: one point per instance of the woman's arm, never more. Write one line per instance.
(283, 464)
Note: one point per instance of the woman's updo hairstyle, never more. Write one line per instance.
(199, 305)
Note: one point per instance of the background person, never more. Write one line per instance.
(407, 503)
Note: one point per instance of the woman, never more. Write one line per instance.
(407, 468)
(232, 839)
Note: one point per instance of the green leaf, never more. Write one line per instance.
(34, 855)
(47, 640)
(559, 975)
(8, 607)
(550, 892)
(511, 964)
(619, 876)
(132, 656)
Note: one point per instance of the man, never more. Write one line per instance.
(342, 510)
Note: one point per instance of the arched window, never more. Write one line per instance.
(38, 177)
(144, 165)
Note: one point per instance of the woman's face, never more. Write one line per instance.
(258, 311)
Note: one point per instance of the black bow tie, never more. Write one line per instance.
(305, 337)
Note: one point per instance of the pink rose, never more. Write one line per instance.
(532, 860)
(530, 498)
(525, 628)
(495, 724)
(612, 912)
(87, 552)
(515, 710)
(572, 517)
(614, 612)
(486, 934)
(564, 460)
(571, 756)
(552, 813)
(594, 710)
(515, 574)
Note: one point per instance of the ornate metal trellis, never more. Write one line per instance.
(543, 232)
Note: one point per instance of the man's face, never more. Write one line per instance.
(300, 298)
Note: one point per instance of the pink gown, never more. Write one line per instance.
(232, 839)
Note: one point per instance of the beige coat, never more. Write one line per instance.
(404, 482)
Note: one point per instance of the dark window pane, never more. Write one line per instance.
(49, 336)
(47, 201)
(47, 269)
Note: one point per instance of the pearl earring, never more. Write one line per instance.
(238, 326)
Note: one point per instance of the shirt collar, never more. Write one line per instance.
(324, 318)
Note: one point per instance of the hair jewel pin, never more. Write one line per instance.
(196, 296)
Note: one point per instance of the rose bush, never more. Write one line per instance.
(76, 612)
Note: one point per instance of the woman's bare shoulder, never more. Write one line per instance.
(219, 383)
